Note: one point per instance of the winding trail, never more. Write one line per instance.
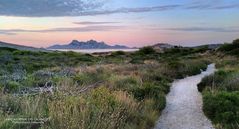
(184, 105)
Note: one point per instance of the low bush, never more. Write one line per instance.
(220, 94)
(98, 109)
(118, 53)
(180, 69)
(7, 49)
(212, 80)
(231, 82)
(125, 83)
(146, 51)
(151, 91)
(9, 105)
(220, 81)
(222, 108)
(231, 49)
(11, 87)
(130, 91)
(91, 77)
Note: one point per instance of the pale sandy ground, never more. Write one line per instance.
(184, 105)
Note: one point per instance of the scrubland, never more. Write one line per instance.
(221, 90)
(58, 90)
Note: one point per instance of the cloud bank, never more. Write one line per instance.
(102, 28)
(204, 29)
(94, 28)
(44, 8)
(58, 8)
(94, 23)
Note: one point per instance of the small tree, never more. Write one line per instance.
(147, 50)
(236, 43)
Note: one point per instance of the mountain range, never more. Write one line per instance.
(91, 44)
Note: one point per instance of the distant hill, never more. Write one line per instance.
(162, 46)
(91, 44)
(209, 46)
(20, 47)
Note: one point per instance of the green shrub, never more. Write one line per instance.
(236, 43)
(183, 68)
(137, 60)
(88, 78)
(231, 49)
(146, 51)
(195, 67)
(98, 109)
(7, 49)
(212, 80)
(151, 91)
(118, 53)
(156, 78)
(146, 116)
(231, 82)
(222, 108)
(9, 105)
(16, 107)
(133, 96)
(226, 47)
(221, 80)
(126, 83)
(12, 86)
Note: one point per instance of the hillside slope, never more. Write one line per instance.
(20, 47)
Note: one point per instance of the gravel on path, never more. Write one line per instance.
(184, 105)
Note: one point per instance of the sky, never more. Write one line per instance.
(135, 23)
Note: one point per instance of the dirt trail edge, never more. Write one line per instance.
(184, 105)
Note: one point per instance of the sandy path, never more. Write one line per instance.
(184, 105)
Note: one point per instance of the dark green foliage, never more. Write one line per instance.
(221, 80)
(158, 80)
(236, 43)
(220, 91)
(118, 53)
(11, 86)
(187, 67)
(126, 84)
(7, 49)
(226, 47)
(231, 82)
(9, 105)
(137, 60)
(222, 108)
(212, 80)
(116, 57)
(149, 90)
(231, 49)
(33, 61)
(146, 51)
(125, 96)
(180, 52)
(89, 78)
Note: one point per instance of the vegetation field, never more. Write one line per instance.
(221, 90)
(59, 90)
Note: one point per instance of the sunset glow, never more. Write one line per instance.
(126, 22)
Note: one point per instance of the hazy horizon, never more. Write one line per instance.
(125, 22)
(149, 44)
